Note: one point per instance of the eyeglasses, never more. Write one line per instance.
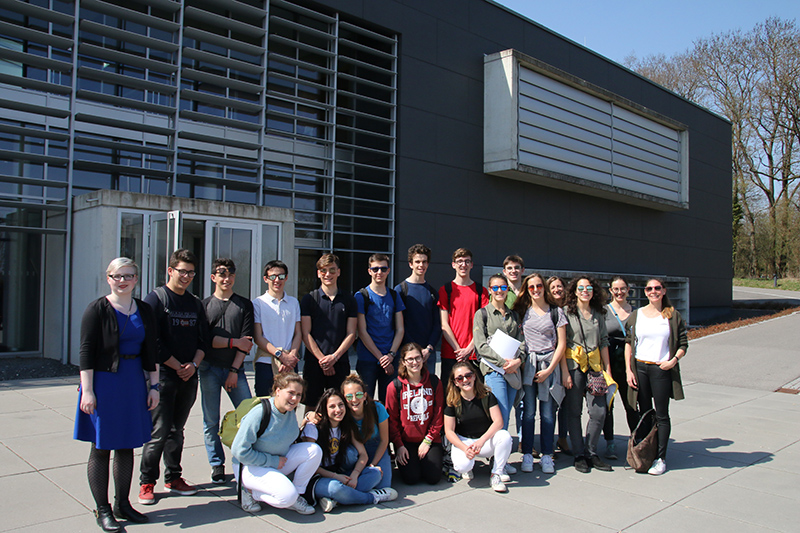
(586, 288)
(273, 277)
(656, 288)
(463, 261)
(379, 269)
(183, 273)
(359, 395)
(466, 377)
(120, 277)
(619, 291)
(538, 286)
(225, 273)
(413, 360)
(496, 288)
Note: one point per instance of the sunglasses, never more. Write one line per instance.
(466, 377)
(538, 286)
(358, 396)
(279, 277)
(586, 288)
(379, 269)
(654, 288)
(224, 273)
(496, 288)
(619, 291)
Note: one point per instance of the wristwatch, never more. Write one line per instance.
(156, 387)
(391, 354)
(234, 370)
(278, 353)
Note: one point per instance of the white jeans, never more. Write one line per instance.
(271, 485)
(499, 447)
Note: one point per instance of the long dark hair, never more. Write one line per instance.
(370, 411)
(524, 300)
(599, 296)
(347, 426)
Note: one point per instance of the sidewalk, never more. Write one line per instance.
(734, 463)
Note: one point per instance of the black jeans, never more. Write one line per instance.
(655, 386)
(428, 468)
(169, 418)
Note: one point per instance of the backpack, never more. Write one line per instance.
(397, 385)
(161, 292)
(367, 300)
(484, 402)
(448, 288)
(642, 452)
(404, 292)
(233, 420)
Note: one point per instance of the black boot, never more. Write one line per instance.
(105, 519)
(125, 511)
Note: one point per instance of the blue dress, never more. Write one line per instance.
(121, 420)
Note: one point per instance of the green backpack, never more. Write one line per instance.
(233, 419)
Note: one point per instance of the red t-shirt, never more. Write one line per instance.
(462, 307)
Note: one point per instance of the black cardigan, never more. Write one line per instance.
(100, 337)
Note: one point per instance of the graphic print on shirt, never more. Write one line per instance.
(183, 319)
(416, 404)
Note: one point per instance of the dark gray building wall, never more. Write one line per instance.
(446, 201)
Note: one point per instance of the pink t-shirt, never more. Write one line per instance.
(462, 310)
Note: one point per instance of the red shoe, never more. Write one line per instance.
(146, 495)
(179, 486)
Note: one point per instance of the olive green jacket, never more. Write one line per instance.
(677, 340)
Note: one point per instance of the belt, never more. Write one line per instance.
(134, 356)
(647, 362)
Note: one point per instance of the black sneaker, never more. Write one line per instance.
(582, 465)
(218, 475)
(599, 464)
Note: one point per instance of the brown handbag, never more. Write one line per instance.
(642, 452)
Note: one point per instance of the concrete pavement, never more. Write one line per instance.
(734, 463)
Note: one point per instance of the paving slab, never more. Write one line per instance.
(681, 518)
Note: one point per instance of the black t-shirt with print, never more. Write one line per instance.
(474, 421)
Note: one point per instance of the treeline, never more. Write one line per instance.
(752, 78)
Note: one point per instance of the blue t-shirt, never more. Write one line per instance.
(383, 415)
(421, 319)
(380, 321)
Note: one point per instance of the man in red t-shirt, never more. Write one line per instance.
(458, 302)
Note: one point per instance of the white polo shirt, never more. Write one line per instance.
(277, 318)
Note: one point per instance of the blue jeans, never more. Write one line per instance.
(504, 393)
(385, 464)
(547, 426)
(371, 372)
(212, 381)
(345, 495)
(264, 378)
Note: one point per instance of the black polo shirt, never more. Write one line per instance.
(328, 319)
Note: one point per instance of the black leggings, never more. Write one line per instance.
(655, 386)
(429, 468)
(97, 471)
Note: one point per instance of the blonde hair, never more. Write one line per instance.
(120, 262)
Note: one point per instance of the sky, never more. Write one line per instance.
(618, 28)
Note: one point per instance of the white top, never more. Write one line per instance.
(652, 338)
(277, 319)
(312, 432)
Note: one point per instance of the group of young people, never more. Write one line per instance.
(522, 343)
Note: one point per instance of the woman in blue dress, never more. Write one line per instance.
(118, 344)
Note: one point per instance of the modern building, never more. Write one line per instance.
(285, 128)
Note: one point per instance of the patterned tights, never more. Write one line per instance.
(98, 474)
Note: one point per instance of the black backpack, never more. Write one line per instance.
(398, 385)
(404, 292)
(448, 288)
(367, 301)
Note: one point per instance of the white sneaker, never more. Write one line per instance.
(327, 505)
(497, 484)
(510, 469)
(505, 478)
(658, 468)
(527, 462)
(384, 495)
(301, 506)
(249, 504)
(548, 465)
(467, 476)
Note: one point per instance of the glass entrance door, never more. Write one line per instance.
(238, 242)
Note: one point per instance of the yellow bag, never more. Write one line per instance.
(233, 419)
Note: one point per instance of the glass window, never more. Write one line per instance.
(20, 289)
(131, 241)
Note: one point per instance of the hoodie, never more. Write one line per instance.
(418, 414)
